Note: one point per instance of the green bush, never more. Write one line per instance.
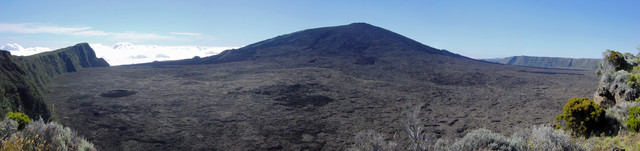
(21, 118)
(617, 59)
(633, 80)
(582, 116)
(633, 121)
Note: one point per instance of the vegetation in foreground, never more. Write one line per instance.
(38, 135)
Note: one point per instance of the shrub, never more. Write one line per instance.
(621, 111)
(582, 116)
(8, 126)
(39, 135)
(537, 138)
(617, 59)
(414, 128)
(633, 120)
(633, 80)
(481, 139)
(441, 145)
(21, 118)
(370, 140)
(548, 138)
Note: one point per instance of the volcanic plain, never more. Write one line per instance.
(308, 98)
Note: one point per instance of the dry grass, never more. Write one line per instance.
(627, 141)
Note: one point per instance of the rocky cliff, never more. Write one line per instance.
(23, 78)
(549, 62)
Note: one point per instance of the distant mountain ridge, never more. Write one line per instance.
(549, 62)
(361, 42)
(24, 78)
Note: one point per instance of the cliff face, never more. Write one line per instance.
(23, 78)
(551, 62)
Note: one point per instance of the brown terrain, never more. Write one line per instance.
(308, 90)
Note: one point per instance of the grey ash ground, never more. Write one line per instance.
(309, 90)
(228, 106)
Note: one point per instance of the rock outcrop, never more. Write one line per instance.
(614, 86)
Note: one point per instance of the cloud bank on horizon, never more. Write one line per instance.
(18, 50)
(125, 53)
(176, 46)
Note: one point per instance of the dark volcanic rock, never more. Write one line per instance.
(118, 93)
(359, 42)
(309, 90)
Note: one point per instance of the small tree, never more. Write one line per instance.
(582, 116)
(21, 118)
(415, 127)
(617, 59)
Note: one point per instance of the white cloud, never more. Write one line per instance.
(139, 36)
(185, 34)
(35, 28)
(162, 56)
(12, 47)
(138, 57)
(18, 50)
(28, 28)
(90, 33)
(124, 53)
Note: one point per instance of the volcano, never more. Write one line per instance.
(308, 90)
(361, 43)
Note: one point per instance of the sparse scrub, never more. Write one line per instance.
(617, 59)
(441, 145)
(583, 117)
(548, 138)
(620, 84)
(414, 128)
(7, 126)
(537, 138)
(620, 111)
(633, 80)
(633, 120)
(624, 141)
(39, 135)
(418, 140)
(619, 78)
(370, 140)
(483, 139)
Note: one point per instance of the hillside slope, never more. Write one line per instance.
(24, 78)
(361, 43)
(550, 62)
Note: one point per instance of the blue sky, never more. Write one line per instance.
(478, 29)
